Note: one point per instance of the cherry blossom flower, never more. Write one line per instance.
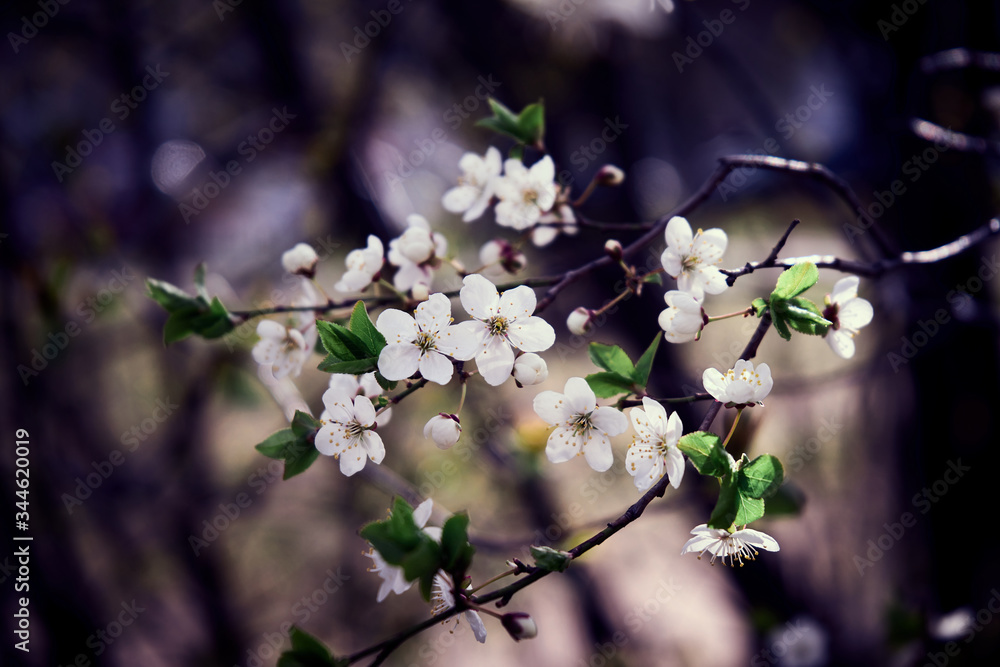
(349, 386)
(654, 450)
(393, 579)
(349, 432)
(423, 342)
(499, 259)
(683, 318)
(581, 426)
(283, 350)
(578, 322)
(725, 545)
(693, 259)
(525, 193)
(529, 369)
(300, 260)
(502, 322)
(475, 185)
(363, 264)
(741, 386)
(443, 597)
(444, 429)
(417, 252)
(849, 313)
(559, 220)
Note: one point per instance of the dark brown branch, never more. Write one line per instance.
(950, 139)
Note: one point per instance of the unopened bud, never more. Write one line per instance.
(578, 321)
(420, 292)
(300, 260)
(529, 369)
(609, 175)
(443, 429)
(614, 249)
(519, 625)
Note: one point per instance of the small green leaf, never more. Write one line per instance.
(778, 319)
(516, 152)
(362, 326)
(607, 385)
(396, 536)
(531, 123)
(726, 507)
(351, 367)
(761, 477)
(275, 445)
(654, 278)
(759, 306)
(748, 509)
(303, 642)
(645, 363)
(298, 452)
(424, 559)
(304, 425)
(341, 342)
(805, 317)
(457, 552)
(611, 358)
(707, 454)
(169, 296)
(551, 559)
(387, 385)
(795, 281)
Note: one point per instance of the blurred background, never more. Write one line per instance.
(140, 139)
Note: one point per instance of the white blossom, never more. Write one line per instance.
(301, 259)
(416, 253)
(475, 185)
(725, 545)
(423, 342)
(501, 322)
(741, 386)
(499, 258)
(349, 386)
(654, 449)
(443, 597)
(283, 350)
(561, 219)
(393, 578)
(529, 369)
(525, 193)
(849, 313)
(693, 259)
(578, 322)
(581, 426)
(683, 318)
(349, 432)
(363, 264)
(444, 429)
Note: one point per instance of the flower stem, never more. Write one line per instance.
(486, 583)
(461, 401)
(739, 313)
(739, 413)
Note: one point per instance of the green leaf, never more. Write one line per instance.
(516, 152)
(748, 509)
(362, 326)
(551, 559)
(795, 281)
(503, 121)
(274, 446)
(213, 323)
(303, 642)
(654, 278)
(387, 385)
(169, 296)
(304, 425)
(302, 659)
(297, 451)
(352, 367)
(300, 456)
(341, 342)
(759, 306)
(611, 358)
(607, 385)
(727, 506)
(423, 560)
(761, 477)
(396, 536)
(645, 363)
(707, 454)
(199, 281)
(778, 319)
(531, 123)
(456, 551)
(805, 317)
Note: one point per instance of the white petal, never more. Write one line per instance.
(672, 262)
(855, 314)
(331, 438)
(845, 289)
(675, 466)
(758, 539)
(398, 361)
(434, 314)
(678, 234)
(353, 460)
(712, 280)
(422, 513)
(552, 407)
(655, 415)
(478, 629)
(479, 296)
(364, 411)
(841, 343)
(609, 420)
(271, 329)
(495, 361)
(373, 445)
(640, 422)
(579, 396)
(598, 452)
(460, 199)
(740, 391)
(518, 302)
(396, 326)
(339, 406)
(766, 382)
(436, 367)
(675, 429)
(531, 334)
(647, 472)
(344, 385)
(712, 245)
(562, 445)
(461, 341)
(715, 384)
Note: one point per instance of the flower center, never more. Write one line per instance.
(425, 341)
(497, 325)
(830, 313)
(690, 262)
(354, 430)
(530, 196)
(581, 423)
